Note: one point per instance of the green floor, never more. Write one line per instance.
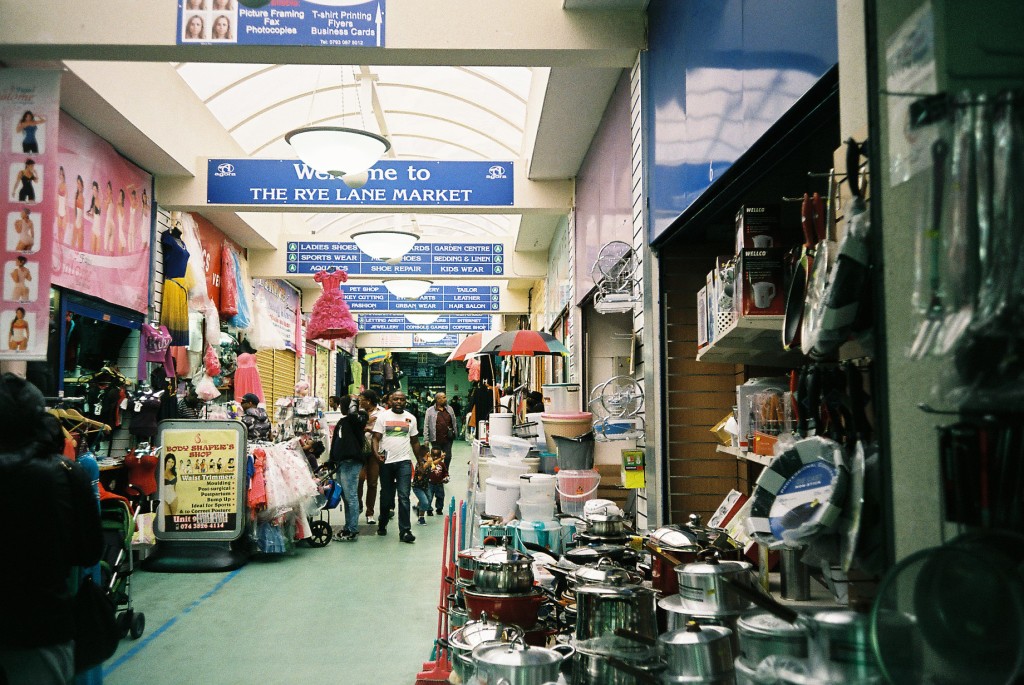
(352, 613)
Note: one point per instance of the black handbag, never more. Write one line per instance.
(96, 633)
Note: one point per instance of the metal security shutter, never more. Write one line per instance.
(322, 387)
(277, 372)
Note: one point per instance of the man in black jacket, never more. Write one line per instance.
(36, 619)
(349, 453)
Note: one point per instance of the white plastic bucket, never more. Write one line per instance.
(575, 489)
(561, 398)
(501, 497)
(508, 469)
(537, 510)
(537, 486)
(500, 426)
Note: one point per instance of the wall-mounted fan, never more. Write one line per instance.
(614, 274)
(616, 405)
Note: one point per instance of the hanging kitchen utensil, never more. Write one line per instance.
(811, 214)
(929, 249)
(825, 254)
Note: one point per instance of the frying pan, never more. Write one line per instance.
(811, 215)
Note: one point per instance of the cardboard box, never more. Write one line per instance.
(757, 226)
(727, 509)
(702, 318)
(761, 282)
(743, 394)
(632, 472)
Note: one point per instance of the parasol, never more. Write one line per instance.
(524, 343)
(470, 346)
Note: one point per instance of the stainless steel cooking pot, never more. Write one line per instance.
(517, 663)
(762, 634)
(502, 571)
(463, 641)
(601, 610)
(679, 612)
(698, 654)
(842, 640)
(606, 525)
(604, 572)
(701, 584)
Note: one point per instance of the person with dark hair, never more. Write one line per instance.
(27, 126)
(36, 611)
(441, 427)
(17, 337)
(257, 423)
(535, 402)
(26, 177)
(189, 405)
(348, 452)
(396, 444)
(369, 403)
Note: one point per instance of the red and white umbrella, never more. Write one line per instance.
(524, 344)
(471, 345)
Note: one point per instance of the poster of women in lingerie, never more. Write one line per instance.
(29, 105)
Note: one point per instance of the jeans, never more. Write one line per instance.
(436, 495)
(422, 500)
(348, 479)
(396, 477)
(370, 474)
(446, 448)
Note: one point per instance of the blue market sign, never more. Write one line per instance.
(397, 323)
(446, 341)
(288, 182)
(424, 259)
(281, 22)
(439, 298)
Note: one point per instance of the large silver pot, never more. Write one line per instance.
(463, 641)
(601, 610)
(503, 572)
(597, 669)
(606, 525)
(517, 663)
(762, 635)
(679, 612)
(604, 572)
(698, 654)
(843, 641)
(701, 585)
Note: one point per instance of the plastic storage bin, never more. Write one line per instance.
(502, 496)
(508, 447)
(537, 486)
(536, 510)
(546, 533)
(561, 398)
(575, 489)
(577, 453)
(568, 425)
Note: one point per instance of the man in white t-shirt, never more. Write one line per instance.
(396, 445)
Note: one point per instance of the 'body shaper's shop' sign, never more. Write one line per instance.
(333, 23)
(424, 259)
(282, 182)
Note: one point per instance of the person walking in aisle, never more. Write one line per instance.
(349, 454)
(440, 427)
(37, 611)
(396, 445)
(371, 469)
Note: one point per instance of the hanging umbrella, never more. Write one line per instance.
(524, 343)
(470, 346)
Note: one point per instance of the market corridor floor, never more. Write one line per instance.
(352, 613)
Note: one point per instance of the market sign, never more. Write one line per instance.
(289, 182)
(282, 301)
(397, 323)
(424, 259)
(448, 341)
(281, 22)
(439, 298)
(202, 480)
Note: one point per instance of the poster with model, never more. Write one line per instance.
(104, 219)
(29, 105)
(201, 468)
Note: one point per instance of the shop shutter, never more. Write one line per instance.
(277, 373)
(323, 362)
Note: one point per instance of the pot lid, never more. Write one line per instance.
(677, 604)
(695, 634)
(841, 619)
(605, 518)
(500, 555)
(515, 653)
(764, 623)
(714, 566)
(673, 536)
(604, 572)
(477, 632)
(609, 591)
(590, 554)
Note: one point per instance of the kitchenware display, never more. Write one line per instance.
(616, 405)
(601, 669)
(601, 610)
(930, 245)
(536, 510)
(606, 525)
(953, 614)
(535, 487)
(590, 554)
(503, 571)
(812, 223)
(678, 612)
(519, 609)
(604, 572)
(465, 562)
(501, 497)
(517, 663)
(762, 634)
(675, 538)
(840, 643)
(698, 653)
(701, 586)
(463, 641)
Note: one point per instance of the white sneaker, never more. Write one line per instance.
(370, 520)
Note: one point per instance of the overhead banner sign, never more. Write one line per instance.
(333, 23)
(35, 189)
(446, 341)
(454, 323)
(439, 298)
(424, 259)
(289, 182)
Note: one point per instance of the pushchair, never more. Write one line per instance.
(116, 564)
(330, 496)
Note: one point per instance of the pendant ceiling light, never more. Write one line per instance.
(339, 150)
(388, 246)
(422, 319)
(408, 288)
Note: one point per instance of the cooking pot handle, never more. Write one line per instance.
(762, 600)
(636, 637)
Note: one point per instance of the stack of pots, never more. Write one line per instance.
(463, 640)
(602, 613)
(503, 588)
(762, 635)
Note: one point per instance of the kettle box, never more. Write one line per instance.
(758, 226)
(760, 282)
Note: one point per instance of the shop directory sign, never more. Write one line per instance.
(439, 298)
(327, 23)
(289, 182)
(424, 259)
(397, 323)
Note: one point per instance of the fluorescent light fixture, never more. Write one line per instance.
(408, 288)
(336, 150)
(422, 319)
(387, 246)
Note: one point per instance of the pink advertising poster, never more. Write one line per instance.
(103, 209)
(29, 105)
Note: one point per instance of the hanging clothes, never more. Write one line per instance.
(331, 319)
(145, 406)
(177, 282)
(356, 372)
(155, 346)
(247, 377)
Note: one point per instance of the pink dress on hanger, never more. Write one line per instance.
(331, 319)
(247, 377)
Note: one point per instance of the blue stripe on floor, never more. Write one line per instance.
(124, 658)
